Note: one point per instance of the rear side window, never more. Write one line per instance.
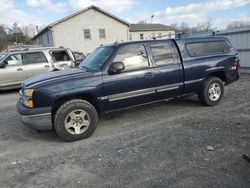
(207, 48)
(163, 53)
(35, 58)
(60, 56)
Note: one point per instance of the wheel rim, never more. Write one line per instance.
(77, 122)
(214, 91)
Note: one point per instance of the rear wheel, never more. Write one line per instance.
(75, 120)
(212, 92)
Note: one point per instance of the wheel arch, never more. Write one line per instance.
(219, 74)
(84, 96)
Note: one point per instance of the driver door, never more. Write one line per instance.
(135, 84)
(13, 73)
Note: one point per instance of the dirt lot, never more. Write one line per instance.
(159, 145)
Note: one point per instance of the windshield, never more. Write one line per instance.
(96, 60)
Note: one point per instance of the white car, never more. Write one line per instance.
(17, 66)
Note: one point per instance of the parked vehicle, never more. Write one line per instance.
(120, 76)
(17, 66)
(79, 57)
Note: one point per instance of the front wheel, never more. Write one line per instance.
(75, 120)
(212, 92)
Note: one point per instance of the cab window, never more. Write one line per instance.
(133, 56)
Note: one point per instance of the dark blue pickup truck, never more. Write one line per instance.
(124, 75)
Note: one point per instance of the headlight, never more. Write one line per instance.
(28, 92)
(27, 97)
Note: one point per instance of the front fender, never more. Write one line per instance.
(72, 91)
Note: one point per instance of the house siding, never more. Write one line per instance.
(69, 33)
(45, 40)
(241, 41)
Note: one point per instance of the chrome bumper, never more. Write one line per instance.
(40, 122)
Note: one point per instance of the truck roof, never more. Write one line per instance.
(185, 39)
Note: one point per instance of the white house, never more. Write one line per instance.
(150, 31)
(91, 27)
(84, 30)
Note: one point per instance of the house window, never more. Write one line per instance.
(130, 37)
(169, 35)
(87, 35)
(102, 34)
(159, 35)
(152, 35)
(141, 36)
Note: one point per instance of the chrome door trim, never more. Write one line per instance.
(131, 94)
(140, 92)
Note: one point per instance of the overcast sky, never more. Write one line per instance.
(44, 12)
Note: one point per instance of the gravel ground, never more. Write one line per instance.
(160, 145)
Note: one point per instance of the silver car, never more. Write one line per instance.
(17, 66)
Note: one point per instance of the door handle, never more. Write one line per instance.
(46, 66)
(149, 74)
(19, 69)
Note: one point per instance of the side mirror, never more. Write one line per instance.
(116, 67)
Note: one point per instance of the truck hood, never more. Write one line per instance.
(55, 77)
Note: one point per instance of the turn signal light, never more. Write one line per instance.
(30, 104)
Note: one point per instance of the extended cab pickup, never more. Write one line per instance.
(123, 75)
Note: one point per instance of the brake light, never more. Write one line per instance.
(238, 64)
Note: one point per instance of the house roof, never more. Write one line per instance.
(77, 13)
(149, 27)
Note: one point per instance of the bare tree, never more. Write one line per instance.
(238, 24)
(184, 27)
(206, 26)
(29, 30)
(3, 38)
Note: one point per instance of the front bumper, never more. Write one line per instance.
(37, 118)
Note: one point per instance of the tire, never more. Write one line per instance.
(212, 92)
(75, 120)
